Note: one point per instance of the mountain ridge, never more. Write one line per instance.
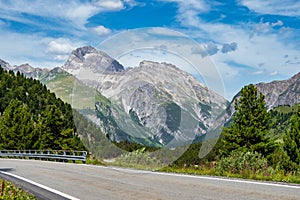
(159, 97)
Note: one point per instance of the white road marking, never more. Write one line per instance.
(41, 186)
(231, 180)
(198, 177)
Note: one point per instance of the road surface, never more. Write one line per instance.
(97, 182)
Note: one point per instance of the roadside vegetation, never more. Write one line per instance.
(9, 191)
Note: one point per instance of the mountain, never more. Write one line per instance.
(26, 69)
(152, 103)
(285, 92)
(5, 65)
(90, 59)
(277, 93)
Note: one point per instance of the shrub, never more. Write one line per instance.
(241, 162)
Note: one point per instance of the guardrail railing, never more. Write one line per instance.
(46, 155)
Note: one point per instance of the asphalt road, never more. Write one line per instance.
(97, 182)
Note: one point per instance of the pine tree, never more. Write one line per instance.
(292, 142)
(250, 126)
(49, 128)
(16, 126)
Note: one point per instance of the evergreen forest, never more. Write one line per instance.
(31, 117)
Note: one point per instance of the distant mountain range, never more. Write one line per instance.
(154, 103)
(26, 69)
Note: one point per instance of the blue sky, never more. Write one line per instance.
(248, 41)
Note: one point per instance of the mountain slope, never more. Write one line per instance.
(154, 101)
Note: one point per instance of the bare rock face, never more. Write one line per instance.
(286, 92)
(91, 59)
(155, 102)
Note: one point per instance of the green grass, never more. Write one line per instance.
(9, 191)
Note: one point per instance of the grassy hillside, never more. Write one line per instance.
(72, 91)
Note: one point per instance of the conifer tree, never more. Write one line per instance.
(16, 126)
(291, 141)
(249, 130)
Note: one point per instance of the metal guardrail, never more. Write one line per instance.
(46, 154)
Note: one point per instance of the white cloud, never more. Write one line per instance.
(59, 49)
(188, 10)
(35, 49)
(258, 72)
(60, 46)
(110, 4)
(101, 30)
(278, 23)
(274, 7)
(274, 73)
(61, 58)
(71, 13)
(265, 27)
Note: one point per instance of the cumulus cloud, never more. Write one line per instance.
(229, 47)
(60, 46)
(101, 30)
(274, 7)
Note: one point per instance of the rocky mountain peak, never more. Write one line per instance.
(5, 65)
(81, 52)
(25, 68)
(92, 59)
